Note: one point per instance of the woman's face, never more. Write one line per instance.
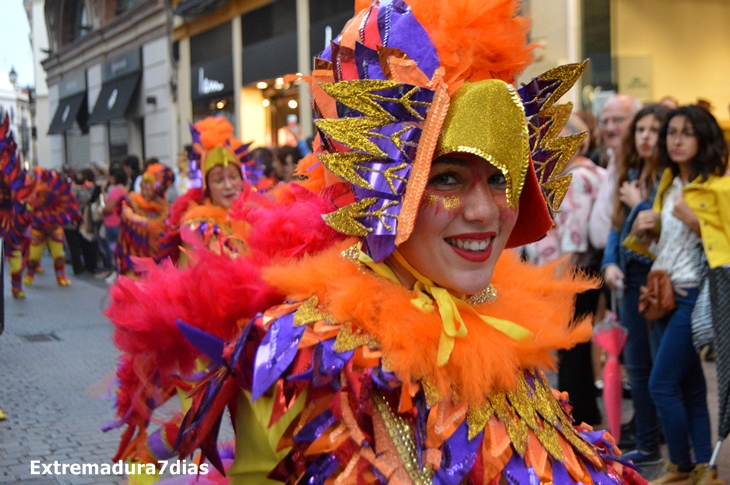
(147, 189)
(224, 184)
(681, 140)
(284, 169)
(463, 224)
(646, 135)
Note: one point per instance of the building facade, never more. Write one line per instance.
(110, 76)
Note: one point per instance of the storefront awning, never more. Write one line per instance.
(114, 99)
(196, 8)
(69, 110)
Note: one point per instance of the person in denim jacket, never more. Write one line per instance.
(626, 269)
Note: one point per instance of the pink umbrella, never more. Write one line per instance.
(611, 336)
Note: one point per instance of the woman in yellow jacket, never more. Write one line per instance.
(688, 209)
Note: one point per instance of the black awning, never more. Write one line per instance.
(195, 8)
(114, 99)
(73, 108)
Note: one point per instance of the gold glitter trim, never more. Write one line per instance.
(309, 312)
(563, 148)
(487, 119)
(352, 253)
(429, 389)
(526, 409)
(348, 340)
(477, 419)
(566, 75)
(353, 133)
(343, 165)
(344, 220)
(401, 434)
(358, 95)
(488, 295)
(556, 189)
(559, 114)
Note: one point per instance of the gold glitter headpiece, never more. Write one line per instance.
(387, 106)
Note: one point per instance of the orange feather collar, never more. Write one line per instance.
(540, 299)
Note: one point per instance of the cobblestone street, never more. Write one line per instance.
(56, 359)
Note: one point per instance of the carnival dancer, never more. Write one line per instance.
(16, 190)
(405, 345)
(143, 218)
(53, 206)
(199, 218)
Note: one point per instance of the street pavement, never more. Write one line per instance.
(56, 366)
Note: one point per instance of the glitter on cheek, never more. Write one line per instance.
(451, 202)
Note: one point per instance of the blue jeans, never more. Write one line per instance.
(639, 351)
(677, 386)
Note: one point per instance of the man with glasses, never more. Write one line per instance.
(613, 123)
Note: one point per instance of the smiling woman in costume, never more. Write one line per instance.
(199, 218)
(407, 344)
(409, 352)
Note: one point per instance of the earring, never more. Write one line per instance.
(488, 295)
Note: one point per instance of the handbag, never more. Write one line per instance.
(656, 299)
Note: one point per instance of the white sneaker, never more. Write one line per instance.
(111, 278)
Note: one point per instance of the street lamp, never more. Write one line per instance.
(13, 76)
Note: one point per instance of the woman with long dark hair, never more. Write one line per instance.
(626, 268)
(692, 148)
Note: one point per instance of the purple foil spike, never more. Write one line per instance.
(560, 473)
(384, 381)
(275, 354)
(159, 447)
(319, 471)
(373, 172)
(328, 363)
(314, 428)
(516, 473)
(209, 344)
(593, 437)
(544, 161)
(601, 477)
(368, 63)
(458, 458)
(535, 93)
(380, 247)
(385, 222)
(400, 29)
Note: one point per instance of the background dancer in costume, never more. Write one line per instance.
(143, 218)
(403, 347)
(199, 218)
(53, 206)
(16, 190)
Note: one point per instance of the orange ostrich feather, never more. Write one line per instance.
(214, 131)
(476, 39)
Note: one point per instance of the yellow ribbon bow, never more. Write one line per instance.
(448, 305)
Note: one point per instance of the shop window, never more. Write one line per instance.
(275, 19)
(597, 43)
(323, 9)
(211, 44)
(124, 5)
(79, 21)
